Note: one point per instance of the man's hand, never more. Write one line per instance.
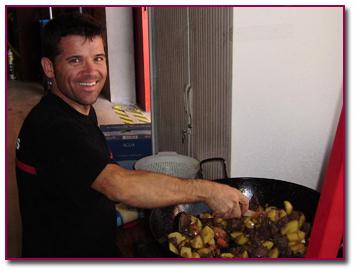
(227, 202)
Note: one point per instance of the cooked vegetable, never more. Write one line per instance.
(186, 252)
(207, 234)
(270, 232)
(268, 244)
(227, 255)
(197, 242)
(178, 237)
(173, 248)
(288, 207)
(274, 253)
(290, 227)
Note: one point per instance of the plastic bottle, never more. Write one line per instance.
(11, 66)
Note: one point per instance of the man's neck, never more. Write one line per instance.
(83, 109)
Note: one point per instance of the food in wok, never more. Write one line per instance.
(270, 232)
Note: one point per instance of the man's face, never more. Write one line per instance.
(80, 70)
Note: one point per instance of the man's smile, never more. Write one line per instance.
(88, 83)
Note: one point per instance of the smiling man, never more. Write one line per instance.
(68, 185)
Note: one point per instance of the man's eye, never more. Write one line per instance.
(74, 60)
(100, 59)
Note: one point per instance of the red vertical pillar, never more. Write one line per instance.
(329, 223)
(142, 61)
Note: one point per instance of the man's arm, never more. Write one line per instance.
(150, 190)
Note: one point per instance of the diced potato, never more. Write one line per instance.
(196, 242)
(244, 254)
(288, 207)
(186, 252)
(204, 252)
(301, 220)
(268, 244)
(207, 234)
(292, 236)
(290, 227)
(282, 213)
(248, 222)
(178, 236)
(272, 215)
(212, 242)
(185, 243)
(227, 255)
(241, 240)
(220, 221)
(172, 248)
(292, 243)
(274, 253)
(298, 248)
(196, 221)
(235, 234)
(195, 255)
(301, 235)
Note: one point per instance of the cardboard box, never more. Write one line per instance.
(128, 143)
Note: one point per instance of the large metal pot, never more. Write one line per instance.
(260, 191)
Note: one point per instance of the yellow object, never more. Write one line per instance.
(245, 254)
(292, 236)
(207, 234)
(272, 215)
(227, 255)
(274, 253)
(186, 252)
(288, 207)
(235, 234)
(173, 249)
(290, 227)
(178, 236)
(268, 244)
(242, 240)
(197, 242)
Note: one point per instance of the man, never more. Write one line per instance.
(68, 184)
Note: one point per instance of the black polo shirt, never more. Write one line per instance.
(60, 152)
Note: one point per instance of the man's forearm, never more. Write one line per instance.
(150, 190)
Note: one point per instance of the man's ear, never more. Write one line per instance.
(47, 67)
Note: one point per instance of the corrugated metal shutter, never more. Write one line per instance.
(211, 68)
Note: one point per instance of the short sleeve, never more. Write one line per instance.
(71, 158)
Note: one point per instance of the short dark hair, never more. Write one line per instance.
(69, 24)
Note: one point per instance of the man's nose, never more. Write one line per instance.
(89, 66)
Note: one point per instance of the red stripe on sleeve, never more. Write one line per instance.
(25, 167)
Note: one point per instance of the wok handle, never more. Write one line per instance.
(219, 159)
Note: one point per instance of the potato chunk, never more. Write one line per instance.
(274, 253)
(207, 234)
(197, 242)
(268, 244)
(288, 207)
(290, 227)
(227, 255)
(173, 248)
(186, 252)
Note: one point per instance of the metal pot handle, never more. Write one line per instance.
(222, 160)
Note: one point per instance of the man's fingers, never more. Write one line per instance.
(244, 203)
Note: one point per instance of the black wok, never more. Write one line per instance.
(260, 191)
